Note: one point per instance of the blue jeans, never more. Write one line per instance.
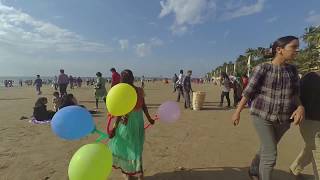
(269, 134)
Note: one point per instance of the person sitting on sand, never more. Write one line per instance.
(40, 112)
(57, 101)
(68, 100)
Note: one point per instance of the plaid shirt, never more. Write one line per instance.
(273, 90)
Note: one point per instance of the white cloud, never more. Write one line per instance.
(22, 32)
(192, 12)
(124, 44)
(272, 19)
(145, 48)
(186, 12)
(313, 18)
(243, 10)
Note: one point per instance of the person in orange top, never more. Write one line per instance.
(127, 137)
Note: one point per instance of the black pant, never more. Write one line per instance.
(187, 99)
(55, 86)
(225, 94)
(180, 93)
(97, 102)
(63, 89)
(236, 99)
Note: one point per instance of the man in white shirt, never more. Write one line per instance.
(179, 84)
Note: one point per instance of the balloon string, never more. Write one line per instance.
(149, 125)
(109, 123)
(102, 135)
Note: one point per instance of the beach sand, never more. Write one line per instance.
(202, 145)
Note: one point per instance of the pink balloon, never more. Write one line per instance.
(169, 111)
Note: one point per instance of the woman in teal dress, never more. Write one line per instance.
(100, 89)
(127, 137)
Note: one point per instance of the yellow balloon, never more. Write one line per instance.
(91, 161)
(121, 99)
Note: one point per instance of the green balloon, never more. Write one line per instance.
(91, 162)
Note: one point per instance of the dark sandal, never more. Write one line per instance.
(253, 176)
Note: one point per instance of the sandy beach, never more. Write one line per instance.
(202, 145)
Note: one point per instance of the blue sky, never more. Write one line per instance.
(151, 37)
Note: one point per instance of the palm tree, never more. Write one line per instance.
(312, 36)
(309, 58)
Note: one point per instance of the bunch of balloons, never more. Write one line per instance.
(91, 161)
(94, 161)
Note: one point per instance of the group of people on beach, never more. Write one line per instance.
(278, 99)
(232, 82)
(8, 83)
(182, 84)
(40, 111)
(127, 136)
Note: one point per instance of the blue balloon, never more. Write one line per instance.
(72, 123)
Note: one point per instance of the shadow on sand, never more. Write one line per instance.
(12, 99)
(217, 173)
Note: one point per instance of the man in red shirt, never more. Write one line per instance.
(115, 77)
(245, 81)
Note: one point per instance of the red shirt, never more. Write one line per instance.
(245, 82)
(115, 79)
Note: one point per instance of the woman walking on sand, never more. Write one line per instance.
(100, 89)
(274, 89)
(127, 137)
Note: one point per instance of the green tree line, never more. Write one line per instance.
(308, 58)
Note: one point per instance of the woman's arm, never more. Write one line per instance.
(146, 112)
(113, 131)
(241, 104)
(236, 116)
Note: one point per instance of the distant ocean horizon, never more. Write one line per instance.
(16, 79)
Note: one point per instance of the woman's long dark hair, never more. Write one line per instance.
(67, 100)
(281, 42)
(41, 102)
(127, 77)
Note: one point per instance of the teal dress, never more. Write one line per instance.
(100, 89)
(127, 144)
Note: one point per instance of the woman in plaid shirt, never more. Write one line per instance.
(274, 90)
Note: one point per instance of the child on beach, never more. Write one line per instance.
(57, 101)
(40, 112)
(127, 137)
